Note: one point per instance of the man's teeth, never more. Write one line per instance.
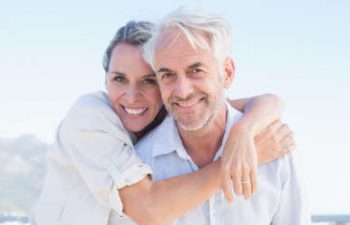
(135, 111)
(187, 104)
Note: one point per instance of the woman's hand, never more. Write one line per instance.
(240, 157)
(243, 152)
(239, 162)
(274, 142)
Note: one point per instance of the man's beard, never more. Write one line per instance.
(192, 122)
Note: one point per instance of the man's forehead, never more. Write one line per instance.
(174, 47)
(170, 37)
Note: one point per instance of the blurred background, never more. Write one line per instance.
(51, 53)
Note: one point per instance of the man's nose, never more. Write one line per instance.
(184, 87)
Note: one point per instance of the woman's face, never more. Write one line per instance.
(132, 88)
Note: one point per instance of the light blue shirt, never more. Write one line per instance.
(278, 201)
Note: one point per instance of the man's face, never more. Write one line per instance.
(190, 82)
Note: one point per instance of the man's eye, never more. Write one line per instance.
(167, 75)
(196, 70)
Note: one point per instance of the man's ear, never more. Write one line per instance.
(229, 72)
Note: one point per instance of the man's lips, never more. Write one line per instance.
(189, 103)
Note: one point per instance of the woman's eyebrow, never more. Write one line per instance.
(117, 73)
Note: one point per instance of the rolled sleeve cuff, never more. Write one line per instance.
(128, 177)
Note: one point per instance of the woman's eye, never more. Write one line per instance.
(120, 79)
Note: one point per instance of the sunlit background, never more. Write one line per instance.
(51, 52)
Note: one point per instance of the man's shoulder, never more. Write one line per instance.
(145, 146)
(233, 114)
(281, 169)
(150, 141)
(151, 137)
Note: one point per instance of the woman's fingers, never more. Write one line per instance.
(287, 141)
(227, 186)
(236, 180)
(275, 141)
(246, 183)
(239, 160)
(243, 181)
(254, 179)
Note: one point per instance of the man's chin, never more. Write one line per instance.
(191, 126)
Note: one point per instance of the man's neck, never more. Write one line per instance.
(203, 144)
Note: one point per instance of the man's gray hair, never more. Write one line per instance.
(133, 33)
(202, 29)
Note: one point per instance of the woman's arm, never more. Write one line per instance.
(259, 111)
(105, 160)
(160, 202)
(239, 159)
(92, 136)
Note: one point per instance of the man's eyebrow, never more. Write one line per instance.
(192, 66)
(163, 69)
(195, 65)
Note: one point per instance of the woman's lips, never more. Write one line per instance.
(135, 110)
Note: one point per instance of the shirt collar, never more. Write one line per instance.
(232, 117)
(169, 140)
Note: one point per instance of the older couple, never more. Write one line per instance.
(181, 66)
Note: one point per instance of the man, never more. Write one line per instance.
(190, 53)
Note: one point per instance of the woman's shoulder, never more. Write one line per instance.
(94, 109)
(93, 103)
(93, 112)
(92, 100)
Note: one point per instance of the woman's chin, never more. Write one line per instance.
(136, 128)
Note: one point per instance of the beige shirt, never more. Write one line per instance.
(93, 157)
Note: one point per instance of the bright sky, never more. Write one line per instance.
(50, 53)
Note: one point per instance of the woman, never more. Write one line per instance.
(93, 170)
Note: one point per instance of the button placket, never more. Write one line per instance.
(212, 210)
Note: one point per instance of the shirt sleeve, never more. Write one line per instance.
(101, 150)
(292, 208)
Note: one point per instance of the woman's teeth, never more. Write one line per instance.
(135, 111)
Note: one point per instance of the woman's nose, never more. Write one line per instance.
(133, 92)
